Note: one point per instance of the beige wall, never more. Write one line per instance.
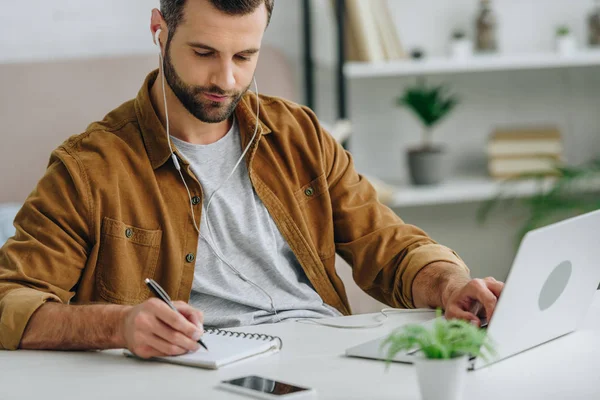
(42, 104)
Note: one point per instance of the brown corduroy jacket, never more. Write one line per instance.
(111, 211)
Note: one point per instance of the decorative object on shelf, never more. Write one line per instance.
(594, 26)
(431, 105)
(566, 44)
(486, 28)
(460, 45)
(362, 32)
(388, 33)
(573, 192)
(516, 151)
(443, 356)
(371, 32)
(417, 54)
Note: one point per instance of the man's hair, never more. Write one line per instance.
(172, 10)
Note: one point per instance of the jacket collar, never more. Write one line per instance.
(154, 133)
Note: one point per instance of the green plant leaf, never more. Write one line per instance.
(445, 340)
(562, 200)
(429, 104)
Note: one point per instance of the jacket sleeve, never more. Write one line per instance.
(385, 253)
(44, 260)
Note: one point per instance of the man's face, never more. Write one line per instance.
(211, 59)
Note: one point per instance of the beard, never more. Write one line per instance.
(191, 96)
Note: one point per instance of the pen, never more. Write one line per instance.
(161, 294)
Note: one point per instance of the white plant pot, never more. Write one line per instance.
(462, 48)
(442, 379)
(566, 45)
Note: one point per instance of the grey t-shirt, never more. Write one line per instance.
(250, 241)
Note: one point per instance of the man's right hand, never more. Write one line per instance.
(152, 329)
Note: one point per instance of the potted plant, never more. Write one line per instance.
(460, 45)
(566, 43)
(571, 192)
(443, 354)
(431, 105)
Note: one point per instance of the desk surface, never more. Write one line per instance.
(312, 356)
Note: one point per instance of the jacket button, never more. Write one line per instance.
(128, 233)
(195, 200)
(190, 257)
(309, 192)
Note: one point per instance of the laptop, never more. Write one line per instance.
(549, 289)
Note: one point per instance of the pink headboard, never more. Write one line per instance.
(42, 104)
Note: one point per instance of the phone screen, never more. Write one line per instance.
(264, 385)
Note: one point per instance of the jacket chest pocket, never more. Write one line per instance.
(127, 256)
(315, 203)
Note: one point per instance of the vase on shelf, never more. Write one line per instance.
(566, 43)
(486, 28)
(594, 26)
(427, 165)
(461, 46)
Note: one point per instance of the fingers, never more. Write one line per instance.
(174, 337)
(194, 316)
(174, 320)
(162, 346)
(455, 312)
(477, 289)
(145, 344)
(495, 286)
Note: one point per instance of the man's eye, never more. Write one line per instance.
(203, 54)
(243, 58)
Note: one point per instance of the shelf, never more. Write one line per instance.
(476, 63)
(461, 190)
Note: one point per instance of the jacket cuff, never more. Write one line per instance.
(16, 308)
(418, 259)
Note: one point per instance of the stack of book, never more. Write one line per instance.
(371, 34)
(517, 152)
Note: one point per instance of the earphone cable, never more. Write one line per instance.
(216, 251)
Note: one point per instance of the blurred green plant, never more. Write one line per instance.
(563, 30)
(573, 191)
(459, 34)
(430, 104)
(445, 340)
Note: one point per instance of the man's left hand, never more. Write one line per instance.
(472, 300)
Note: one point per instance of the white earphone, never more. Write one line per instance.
(157, 38)
(216, 251)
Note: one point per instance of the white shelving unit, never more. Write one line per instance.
(464, 189)
(477, 63)
(461, 190)
(477, 188)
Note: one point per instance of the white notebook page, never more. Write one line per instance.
(224, 348)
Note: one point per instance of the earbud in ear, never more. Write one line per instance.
(157, 38)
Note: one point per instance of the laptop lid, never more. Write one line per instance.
(549, 288)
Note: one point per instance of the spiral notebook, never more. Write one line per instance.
(225, 347)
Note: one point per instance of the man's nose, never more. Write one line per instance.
(224, 77)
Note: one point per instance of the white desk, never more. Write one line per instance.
(567, 368)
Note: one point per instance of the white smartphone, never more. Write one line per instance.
(263, 388)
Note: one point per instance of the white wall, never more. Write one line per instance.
(59, 29)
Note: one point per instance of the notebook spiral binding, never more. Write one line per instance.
(257, 336)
